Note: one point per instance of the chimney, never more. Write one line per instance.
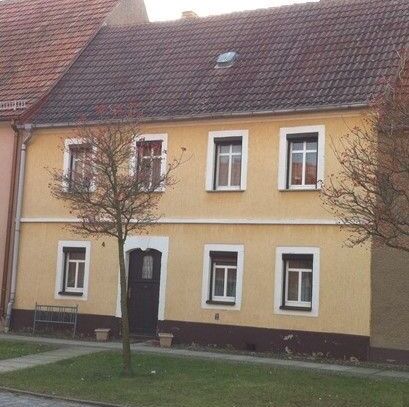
(128, 12)
(189, 15)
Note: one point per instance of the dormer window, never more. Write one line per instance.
(227, 59)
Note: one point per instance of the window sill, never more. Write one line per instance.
(300, 189)
(230, 303)
(290, 308)
(225, 190)
(70, 294)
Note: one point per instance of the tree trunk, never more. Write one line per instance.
(126, 344)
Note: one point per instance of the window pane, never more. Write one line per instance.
(236, 148)
(77, 255)
(231, 283)
(219, 282)
(311, 169)
(80, 278)
(313, 145)
(306, 283)
(147, 268)
(300, 264)
(80, 167)
(236, 171)
(224, 148)
(223, 175)
(156, 148)
(292, 286)
(297, 146)
(71, 275)
(156, 175)
(296, 169)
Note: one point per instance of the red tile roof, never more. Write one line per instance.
(307, 57)
(39, 39)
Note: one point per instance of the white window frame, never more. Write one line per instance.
(290, 303)
(283, 161)
(74, 289)
(211, 156)
(67, 160)
(207, 264)
(225, 297)
(60, 269)
(279, 277)
(163, 137)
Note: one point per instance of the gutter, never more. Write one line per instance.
(310, 109)
(16, 246)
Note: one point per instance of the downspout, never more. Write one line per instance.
(10, 223)
(16, 246)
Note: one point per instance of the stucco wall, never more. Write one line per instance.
(189, 199)
(344, 275)
(345, 279)
(390, 305)
(6, 162)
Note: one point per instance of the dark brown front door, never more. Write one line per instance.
(144, 281)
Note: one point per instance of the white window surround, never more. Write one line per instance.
(160, 243)
(278, 281)
(211, 155)
(60, 268)
(283, 156)
(67, 158)
(239, 249)
(163, 137)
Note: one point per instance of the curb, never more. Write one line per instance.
(58, 398)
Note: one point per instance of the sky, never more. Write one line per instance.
(172, 9)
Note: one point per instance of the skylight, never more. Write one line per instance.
(227, 59)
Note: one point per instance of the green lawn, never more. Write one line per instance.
(179, 382)
(9, 350)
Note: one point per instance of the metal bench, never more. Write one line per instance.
(52, 314)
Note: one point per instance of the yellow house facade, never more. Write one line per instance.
(244, 253)
(260, 222)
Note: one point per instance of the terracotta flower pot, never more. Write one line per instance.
(165, 340)
(102, 335)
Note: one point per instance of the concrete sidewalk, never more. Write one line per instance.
(44, 358)
(70, 345)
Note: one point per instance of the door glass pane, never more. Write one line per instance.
(292, 286)
(296, 169)
(223, 171)
(311, 169)
(80, 278)
(219, 282)
(231, 283)
(306, 282)
(236, 170)
(71, 274)
(147, 268)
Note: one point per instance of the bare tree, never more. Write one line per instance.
(370, 194)
(112, 188)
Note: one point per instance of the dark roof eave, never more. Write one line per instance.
(310, 109)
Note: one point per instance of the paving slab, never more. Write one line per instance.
(24, 362)
(8, 399)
